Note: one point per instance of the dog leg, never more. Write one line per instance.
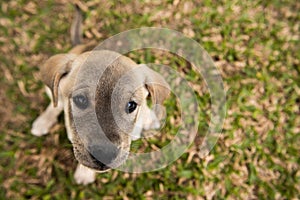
(150, 121)
(47, 119)
(84, 175)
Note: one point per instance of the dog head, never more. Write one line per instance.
(105, 102)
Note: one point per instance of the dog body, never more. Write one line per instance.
(104, 98)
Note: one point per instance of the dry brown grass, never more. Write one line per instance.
(254, 44)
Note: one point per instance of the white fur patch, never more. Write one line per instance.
(146, 120)
(42, 125)
(84, 175)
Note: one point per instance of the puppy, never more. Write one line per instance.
(104, 98)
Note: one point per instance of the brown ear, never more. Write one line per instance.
(158, 88)
(53, 70)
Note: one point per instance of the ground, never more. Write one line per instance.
(254, 44)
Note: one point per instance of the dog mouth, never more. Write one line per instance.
(96, 164)
(90, 160)
(99, 166)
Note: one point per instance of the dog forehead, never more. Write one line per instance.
(90, 67)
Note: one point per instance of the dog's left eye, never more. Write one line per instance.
(130, 107)
(81, 101)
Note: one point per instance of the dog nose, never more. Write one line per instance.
(104, 154)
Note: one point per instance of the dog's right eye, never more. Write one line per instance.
(81, 101)
(130, 107)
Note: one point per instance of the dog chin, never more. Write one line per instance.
(98, 170)
(100, 167)
(96, 166)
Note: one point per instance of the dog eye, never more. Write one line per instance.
(130, 107)
(81, 101)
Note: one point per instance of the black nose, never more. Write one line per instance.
(104, 154)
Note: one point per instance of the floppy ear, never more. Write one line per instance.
(158, 88)
(53, 70)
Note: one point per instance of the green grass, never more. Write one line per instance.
(255, 45)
